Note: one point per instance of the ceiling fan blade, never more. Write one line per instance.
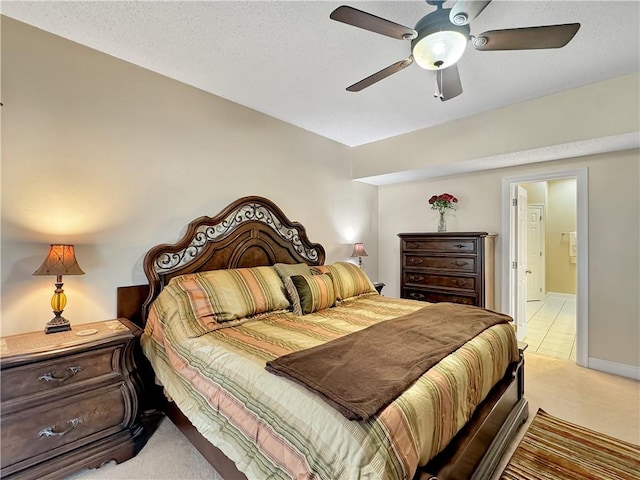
(358, 18)
(382, 74)
(466, 10)
(549, 36)
(448, 82)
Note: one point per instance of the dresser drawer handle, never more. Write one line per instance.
(416, 278)
(49, 377)
(48, 431)
(413, 245)
(459, 245)
(417, 296)
(459, 283)
(416, 261)
(460, 263)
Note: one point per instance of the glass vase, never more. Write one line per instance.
(442, 223)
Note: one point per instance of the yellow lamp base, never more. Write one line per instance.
(58, 302)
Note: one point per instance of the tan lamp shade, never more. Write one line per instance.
(61, 260)
(358, 250)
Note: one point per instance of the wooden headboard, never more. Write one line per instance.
(250, 232)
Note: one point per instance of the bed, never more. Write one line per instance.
(249, 423)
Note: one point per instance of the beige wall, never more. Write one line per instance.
(116, 159)
(599, 110)
(559, 198)
(536, 192)
(614, 236)
(561, 219)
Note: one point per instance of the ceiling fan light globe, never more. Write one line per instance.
(460, 19)
(439, 50)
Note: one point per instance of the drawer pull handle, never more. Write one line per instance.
(49, 377)
(459, 245)
(459, 283)
(416, 278)
(460, 263)
(413, 245)
(416, 261)
(417, 296)
(48, 431)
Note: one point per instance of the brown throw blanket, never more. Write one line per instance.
(363, 372)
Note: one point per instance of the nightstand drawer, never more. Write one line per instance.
(47, 427)
(446, 281)
(18, 382)
(460, 264)
(442, 245)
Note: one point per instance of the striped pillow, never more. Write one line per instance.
(223, 295)
(348, 279)
(319, 269)
(311, 293)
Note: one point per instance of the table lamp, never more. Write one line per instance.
(359, 251)
(61, 260)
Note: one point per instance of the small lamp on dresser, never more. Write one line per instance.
(61, 260)
(359, 251)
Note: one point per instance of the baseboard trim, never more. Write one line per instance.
(621, 369)
(571, 296)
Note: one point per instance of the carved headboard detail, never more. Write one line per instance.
(250, 232)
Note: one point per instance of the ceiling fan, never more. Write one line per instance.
(440, 38)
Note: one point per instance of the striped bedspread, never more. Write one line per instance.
(272, 428)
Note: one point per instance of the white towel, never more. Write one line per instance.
(573, 248)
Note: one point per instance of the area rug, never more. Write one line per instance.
(554, 449)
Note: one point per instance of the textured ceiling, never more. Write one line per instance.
(290, 61)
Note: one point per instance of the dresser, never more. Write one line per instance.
(70, 400)
(448, 267)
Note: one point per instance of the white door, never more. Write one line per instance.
(535, 253)
(518, 257)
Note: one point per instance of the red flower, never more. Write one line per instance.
(443, 202)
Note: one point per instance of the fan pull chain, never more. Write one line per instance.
(438, 93)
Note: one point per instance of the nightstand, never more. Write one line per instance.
(379, 286)
(70, 400)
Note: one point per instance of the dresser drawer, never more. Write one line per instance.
(44, 376)
(47, 427)
(460, 264)
(434, 297)
(446, 281)
(442, 245)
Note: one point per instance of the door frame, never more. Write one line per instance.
(582, 217)
(518, 256)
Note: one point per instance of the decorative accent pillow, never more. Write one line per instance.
(314, 292)
(288, 269)
(348, 279)
(285, 270)
(223, 295)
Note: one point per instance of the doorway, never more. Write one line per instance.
(516, 236)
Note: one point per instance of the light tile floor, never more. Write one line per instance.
(551, 327)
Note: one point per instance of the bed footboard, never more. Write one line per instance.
(476, 450)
